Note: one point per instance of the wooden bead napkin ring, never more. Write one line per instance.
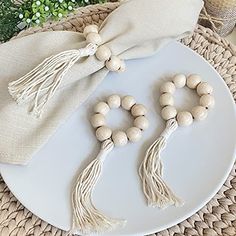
(157, 192)
(86, 218)
(40, 84)
(103, 53)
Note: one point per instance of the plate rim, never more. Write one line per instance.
(193, 211)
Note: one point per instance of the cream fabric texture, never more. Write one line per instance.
(138, 28)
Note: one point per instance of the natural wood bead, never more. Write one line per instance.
(113, 64)
(122, 66)
(167, 87)
(204, 88)
(98, 120)
(166, 99)
(179, 80)
(90, 29)
(103, 53)
(193, 81)
(138, 110)
(119, 138)
(207, 101)
(127, 102)
(184, 118)
(141, 122)
(134, 134)
(102, 108)
(168, 112)
(114, 101)
(199, 113)
(93, 38)
(103, 133)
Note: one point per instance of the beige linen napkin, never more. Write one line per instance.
(138, 28)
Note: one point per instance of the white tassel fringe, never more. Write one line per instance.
(86, 218)
(40, 84)
(157, 192)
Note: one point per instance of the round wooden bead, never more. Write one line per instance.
(102, 108)
(199, 113)
(134, 134)
(207, 101)
(103, 53)
(179, 80)
(184, 118)
(113, 64)
(114, 101)
(122, 66)
(138, 110)
(166, 99)
(193, 81)
(127, 102)
(141, 122)
(103, 133)
(119, 138)
(90, 29)
(167, 87)
(204, 88)
(93, 38)
(98, 120)
(168, 112)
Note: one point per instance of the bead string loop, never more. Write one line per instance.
(155, 189)
(199, 112)
(39, 85)
(103, 53)
(86, 217)
(120, 138)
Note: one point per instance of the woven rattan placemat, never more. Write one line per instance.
(218, 217)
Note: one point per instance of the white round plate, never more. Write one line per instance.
(197, 159)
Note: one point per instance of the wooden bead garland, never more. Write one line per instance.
(40, 84)
(86, 217)
(103, 53)
(133, 134)
(157, 192)
(185, 118)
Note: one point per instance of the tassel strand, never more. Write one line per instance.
(40, 84)
(86, 218)
(157, 192)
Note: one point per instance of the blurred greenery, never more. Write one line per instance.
(15, 17)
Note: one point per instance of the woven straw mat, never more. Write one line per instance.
(218, 217)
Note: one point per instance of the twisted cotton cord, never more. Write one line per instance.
(171, 126)
(40, 84)
(86, 218)
(213, 20)
(157, 192)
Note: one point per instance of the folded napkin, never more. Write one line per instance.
(137, 28)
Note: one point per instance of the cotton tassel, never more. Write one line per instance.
(86, 218)
(157, 192)
(40, 84)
